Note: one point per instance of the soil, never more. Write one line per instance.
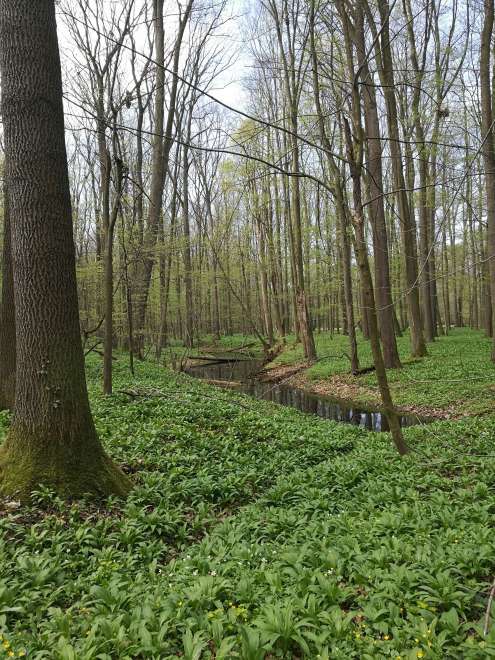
(344, 387)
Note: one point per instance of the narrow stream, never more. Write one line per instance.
(239, 376)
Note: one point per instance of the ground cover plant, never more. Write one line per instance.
(455, 376)
(153, 195)
(255, 531)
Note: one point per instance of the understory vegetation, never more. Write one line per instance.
(291, 199)
(454, 376)
(255, 531)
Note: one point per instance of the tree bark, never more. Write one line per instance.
(162, 145)
(7, 316)
(374, 175)
(52, 439)
(407, 223)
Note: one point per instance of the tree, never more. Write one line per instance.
(7, 319)
(52, 439)
(488, 138)
(162, 145)
(103, 65)
(385, 67)
(286, 19)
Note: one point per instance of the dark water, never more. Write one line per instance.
(240, 375)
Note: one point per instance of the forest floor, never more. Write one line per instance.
(256, 531)
(456, 379)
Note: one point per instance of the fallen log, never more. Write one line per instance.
(221, 359)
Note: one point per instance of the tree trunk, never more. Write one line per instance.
(162, 145)
(186, 251)
(407, 223)
(340, 207)
(488, 148)
(7, 316)
(52, 439)
(374, 172)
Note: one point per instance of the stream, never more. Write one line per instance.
(238, 375)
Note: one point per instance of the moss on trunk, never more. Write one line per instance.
(28, 462)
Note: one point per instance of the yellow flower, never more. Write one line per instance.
(6, 644)
(386, 637)
(10, 654)
(420, 654)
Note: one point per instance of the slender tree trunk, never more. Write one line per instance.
(488, 147)
(186, 250)
(369, 301)
(161, 150)
(340, 206)
(374, 172)
(408, 228)
(109, 279)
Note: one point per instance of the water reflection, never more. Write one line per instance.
(241, 372)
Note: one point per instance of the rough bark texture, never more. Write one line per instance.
(52, 439)
(7, 316)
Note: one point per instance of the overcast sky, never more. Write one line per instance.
(228, 88)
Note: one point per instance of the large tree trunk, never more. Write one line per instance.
(52, 439)
(7, 315)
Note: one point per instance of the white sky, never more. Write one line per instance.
(228, 87)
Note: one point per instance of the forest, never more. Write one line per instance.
(247, 329)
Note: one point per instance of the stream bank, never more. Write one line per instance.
(289, 387)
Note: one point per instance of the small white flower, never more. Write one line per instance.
(14, 504)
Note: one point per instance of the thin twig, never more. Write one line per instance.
(489, 609)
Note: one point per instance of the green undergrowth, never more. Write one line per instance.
(255, 532)
(456, 374)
